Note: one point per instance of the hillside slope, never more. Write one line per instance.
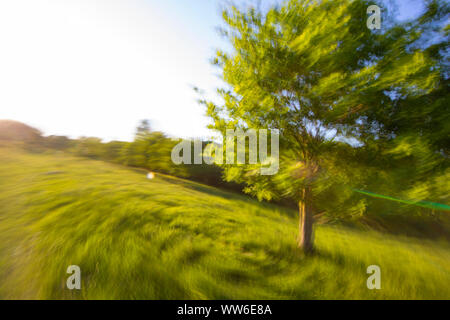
(168, 238)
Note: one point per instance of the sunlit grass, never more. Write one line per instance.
(168, 238)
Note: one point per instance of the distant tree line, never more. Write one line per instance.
(150, 150)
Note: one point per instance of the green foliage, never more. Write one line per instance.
(17, 131)
(344, 98)
(90, 147)
(58, 142)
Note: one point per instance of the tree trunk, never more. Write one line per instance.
(305, 240)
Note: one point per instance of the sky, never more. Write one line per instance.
(97, 67)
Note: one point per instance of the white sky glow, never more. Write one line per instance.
(96, 67)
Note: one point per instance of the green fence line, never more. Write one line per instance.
(421, 203)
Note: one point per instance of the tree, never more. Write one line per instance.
(113, 151)
(90, 147)
(313, 70)
(58, 142)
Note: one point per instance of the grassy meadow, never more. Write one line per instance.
(169, 238)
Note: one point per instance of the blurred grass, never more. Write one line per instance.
(169, 238)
